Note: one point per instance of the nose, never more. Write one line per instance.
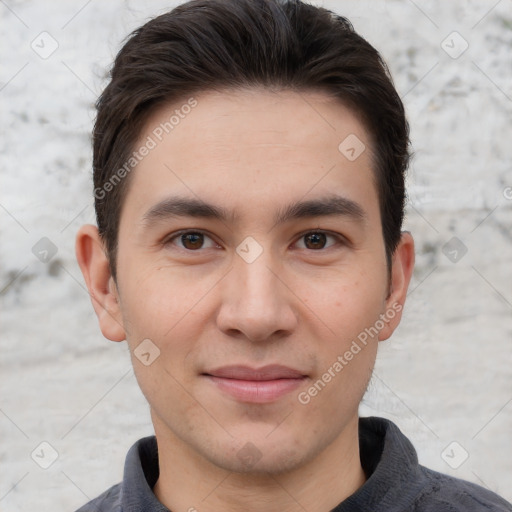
(256, 302)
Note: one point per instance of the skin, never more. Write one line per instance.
(301, 304)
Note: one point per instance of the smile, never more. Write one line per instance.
(263, 385)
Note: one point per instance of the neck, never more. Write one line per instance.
(189, 482)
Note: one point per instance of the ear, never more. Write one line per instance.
(95, 268)
(401, 273)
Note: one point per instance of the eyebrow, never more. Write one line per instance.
(324, 206)
(191, 207)
(184, 207)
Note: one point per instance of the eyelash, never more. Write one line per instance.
(340, 239)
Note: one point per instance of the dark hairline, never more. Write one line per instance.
(153, 109)
(319, 50)
(168, 104)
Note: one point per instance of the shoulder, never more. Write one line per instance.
(135, 491)
(444, 493)
(398, 483)
(109, 501)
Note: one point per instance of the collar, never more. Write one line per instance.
(389, 461)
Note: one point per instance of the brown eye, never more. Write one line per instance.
(192, 241)
(318, 240)
(315, 240)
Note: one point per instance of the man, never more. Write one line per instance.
(249, 160)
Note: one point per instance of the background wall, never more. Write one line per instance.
(445, 377)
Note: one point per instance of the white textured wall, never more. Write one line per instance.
(445, 376)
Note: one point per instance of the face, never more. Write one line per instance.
(251, 257)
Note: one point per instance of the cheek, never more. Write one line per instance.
(346, 303)
(167, 315)
(170, 309)
(159, 298)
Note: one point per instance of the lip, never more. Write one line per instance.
(256, 385)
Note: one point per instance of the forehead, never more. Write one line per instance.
(253, 145)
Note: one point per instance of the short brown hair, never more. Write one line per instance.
(204, 45)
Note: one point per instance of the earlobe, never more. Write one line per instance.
(401, 273)
(103, 291)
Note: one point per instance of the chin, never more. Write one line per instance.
(257, 454)
(250, 460)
